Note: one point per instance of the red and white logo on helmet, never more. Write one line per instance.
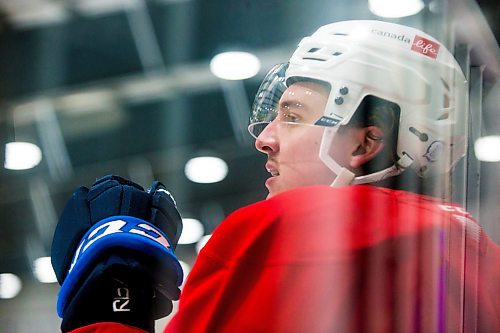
(425, 46)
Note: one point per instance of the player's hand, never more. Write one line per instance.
(113, 254)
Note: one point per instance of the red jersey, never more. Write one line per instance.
(351, 259)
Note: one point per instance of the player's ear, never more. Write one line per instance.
(370, 144)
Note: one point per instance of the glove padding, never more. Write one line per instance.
(117, 231)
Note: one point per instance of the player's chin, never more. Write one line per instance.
(270, 193)
(274, 189)
(279, 184)
(271, 185)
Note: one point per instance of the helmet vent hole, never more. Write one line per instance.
(314, 49)
(311, 58)
(336, 53)
(339, 34)
(421, 136)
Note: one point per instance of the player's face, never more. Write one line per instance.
(292, 144)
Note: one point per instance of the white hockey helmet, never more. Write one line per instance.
(396, 63)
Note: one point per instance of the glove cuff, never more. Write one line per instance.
(112, 235)
(117, 290)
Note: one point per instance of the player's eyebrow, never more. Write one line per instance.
(293, 103)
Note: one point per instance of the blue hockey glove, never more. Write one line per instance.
(113, 254)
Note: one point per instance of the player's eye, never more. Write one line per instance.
(291, 118)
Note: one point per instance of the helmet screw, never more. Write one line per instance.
(344, 90)
(339, 100)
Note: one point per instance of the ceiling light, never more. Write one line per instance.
(202, 242)
(43, 271)
(487, 148)
(206, 169)
(10, 285)
(235, 65)
(32, 14)
(395, 8)
(22, 155)
(192, 231)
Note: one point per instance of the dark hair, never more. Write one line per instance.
(376, 111)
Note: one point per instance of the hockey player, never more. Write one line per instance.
(372, 109)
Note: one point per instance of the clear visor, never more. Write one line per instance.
(278, 98)
(266, 103)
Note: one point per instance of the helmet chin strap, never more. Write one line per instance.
(344, 177)
(347, 177)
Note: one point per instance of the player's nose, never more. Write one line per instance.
(267, 142)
